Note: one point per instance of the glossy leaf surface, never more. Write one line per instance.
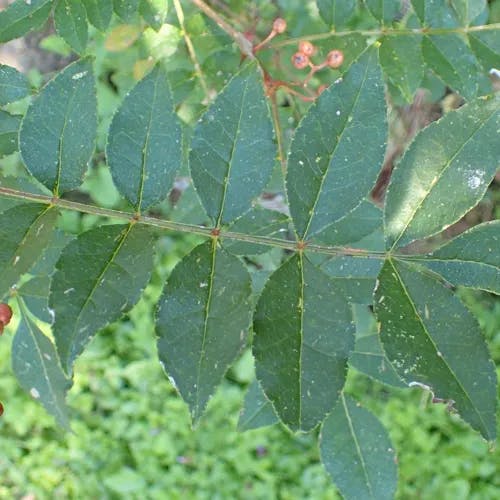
(303, 336)
(338, 149)
(432, 340)
(357, 452)
(444, 173)
(100, 275)
(57, 136)
(233, 150)
(202, 322)
(36, 366)
(144, 143)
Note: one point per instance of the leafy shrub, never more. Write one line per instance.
(299, 280)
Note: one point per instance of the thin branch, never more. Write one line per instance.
(192, 52)
(186, 228)
(387, 31)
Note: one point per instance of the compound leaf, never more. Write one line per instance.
(36, 366)
(444, 173)
(21, 16)
(357, 452)
(433, 341)
(13, 85)
(338, 148)
(202, 322)
(100, 275)
(472, 259)
(57, 135)
(233, 150)
(144, 147)
(25, 231)
(303, 336)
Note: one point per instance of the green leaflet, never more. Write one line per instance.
(444, 173)
(99, 12)
(338, 148)
(25, 231)
(257, 221)
(357, 452)
(435, 13)
(402, 62)
(303, 336)
(384, 11)
(368, 356)
(144, 147)
(233, 150)
(355, 277)
(486, 47)
(468, 10)
(451, 58)
(433, 341)
(9, 131)
(202, 322)
(471, 259)
(13, 85)
(126, 9)
(100, 275)
(336, 13)
(57, 135)
(154, 12)
(71, 23)
(36, 366)
(20, 17)
(257, 409)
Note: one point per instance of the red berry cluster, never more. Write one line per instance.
(301, 58)
(5, 317)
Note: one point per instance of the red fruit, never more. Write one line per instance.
(307, 48)
(335, 58)
(279, 25)
(1, 409)
(300, 60)
(5, 314)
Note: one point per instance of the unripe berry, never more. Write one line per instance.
(300, 60)
(335, 58)
(279, 25)
(5, 314)
(307, 48)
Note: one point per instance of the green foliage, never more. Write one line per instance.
(185, 127)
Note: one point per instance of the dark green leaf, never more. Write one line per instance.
(25, 231)
(368, 356)
(486, 46)
(257, 221)
(384, 11)
(13, 85)
(233, 150)
(58, 132)
(361, 222)
(100, 275)
(435, 13)
(99, 12)
(451, 58)
(468, 10)
(9, 131)
(36, 366)
(303, 336)
(338, 149)
(354, 276)
(154, 12)
(22, 16)
(402, 62)
(71, 23)
(257, 410)
(126, 9)
(336, 13)
(433, 341)
(444, 173)
(144, 142)
(471, 259)
(357, 452)
(202, 322)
